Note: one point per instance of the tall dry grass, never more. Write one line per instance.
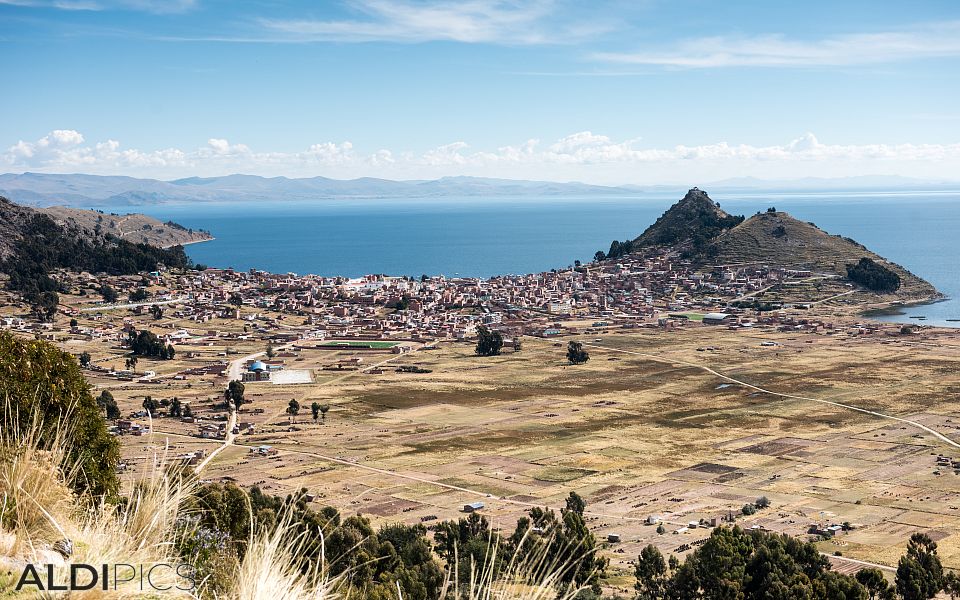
(40, 513)
(39, 509)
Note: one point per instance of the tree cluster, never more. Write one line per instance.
(396, 558)
(873, 276)
(146, 343)
(576, 354)
(489, 341)
(734, 563)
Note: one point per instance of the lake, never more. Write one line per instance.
(488, 236)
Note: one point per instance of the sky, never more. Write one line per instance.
(617, 92)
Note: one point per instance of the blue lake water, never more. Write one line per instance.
(482, 237)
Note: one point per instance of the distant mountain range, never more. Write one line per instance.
(42, 189)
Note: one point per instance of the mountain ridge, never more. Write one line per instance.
(83, 190)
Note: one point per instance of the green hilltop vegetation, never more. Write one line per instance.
(703, 232)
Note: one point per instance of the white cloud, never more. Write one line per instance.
(584, 155)
(923, 41)
(469, 21)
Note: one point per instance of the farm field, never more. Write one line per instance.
(636, 435)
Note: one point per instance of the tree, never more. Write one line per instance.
(762, 502)
(575, 503)
(650, 571)
(324, 409)
(661, 529)
(236, 300)
(599, 256)
(951, 585)
(74, 323)
(150, 405)
(234, 394)
(176, 408)
(875, 583)
(139, 295)
(84, 359)
(489, 342)
(146, 343)
(187, 411)
(44, 305)
(919, 572)
(315, 411)
(108, 293)
(157, 312)
(576, 354)
(107, 403)
(270, 352)
(293, 409)
(38, 380)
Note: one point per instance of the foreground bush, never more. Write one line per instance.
(44, 397)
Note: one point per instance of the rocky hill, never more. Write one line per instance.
(92, 226)
(695, 219)
(13, 221)
(776, 238)
(701, 231)
(135, 228)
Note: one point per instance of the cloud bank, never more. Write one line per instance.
(586, 155)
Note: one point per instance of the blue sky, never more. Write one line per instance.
(609, 92)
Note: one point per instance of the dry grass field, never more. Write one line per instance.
(635, 435)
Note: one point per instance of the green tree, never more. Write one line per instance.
(315, 411)
(324, 409)
(650, 571)
(44, 305)
(576, 354)
(107, 403)
(575, 503)
(270, 351)
(489, 342)
(176, 408)
(39, 380)
(84, 359)
(108, 293)
(875, 583)
(919, 572)
(234, 394)
(150, 405)
(293, 409)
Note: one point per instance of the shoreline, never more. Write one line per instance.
(209, 239)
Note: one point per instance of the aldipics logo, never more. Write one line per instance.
(158, 577)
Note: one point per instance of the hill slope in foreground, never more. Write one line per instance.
(700, 229)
